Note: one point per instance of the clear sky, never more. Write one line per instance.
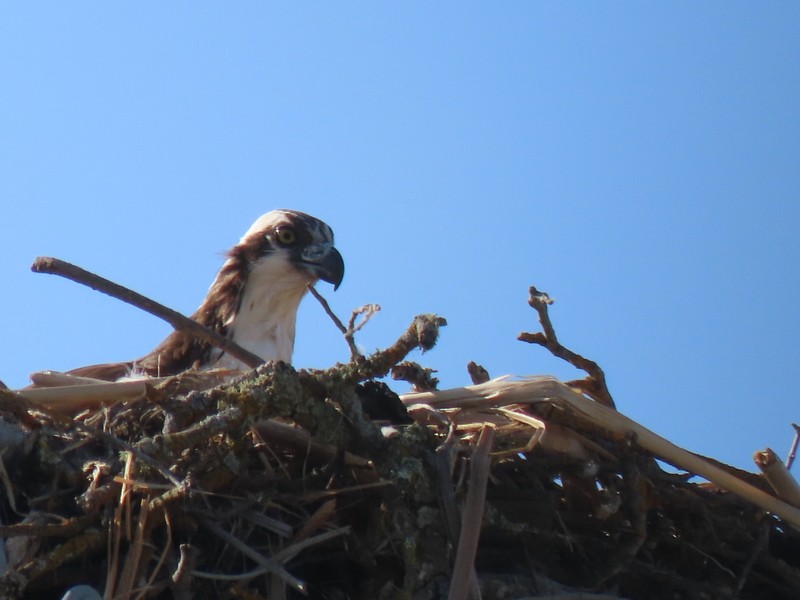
(638, 161)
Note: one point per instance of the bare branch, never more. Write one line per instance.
(327, 307)
(368, 310)
(348, 332)
(421, 378)
(54, 266)
(472, 517)
(336, 321)
(264, 562)
(595, 384)
(422, 333)
(793, 449)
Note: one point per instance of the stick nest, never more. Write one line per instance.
(325, 484)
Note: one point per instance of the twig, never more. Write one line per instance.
(300, 440)
(65, 528)
(596, 386)
(761, 544)
(793, 449)
(634, 508)
(444, 459)
(249, 575)
(291, 551)
(54, 266)
(182, 576)
(327, 307)
(219, 422)
(348, 337)
(127, 578)
(268, 564)
(539, 427)
(574, 596)
(549, 389)
(421, 378)
(144, 591)
(422, 333)
(274, 525)
(75, 548)
(472, 518)
(368, 310)
(115, 532)
(348, 332)
(8, 487)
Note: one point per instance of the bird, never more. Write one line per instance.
(253, 300)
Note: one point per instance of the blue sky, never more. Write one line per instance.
(638, 161)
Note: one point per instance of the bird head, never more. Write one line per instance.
(301, 242)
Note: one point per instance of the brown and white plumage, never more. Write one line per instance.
(253, 299)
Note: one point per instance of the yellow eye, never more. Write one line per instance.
(285, 236)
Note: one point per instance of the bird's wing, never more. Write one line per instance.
(179, 352)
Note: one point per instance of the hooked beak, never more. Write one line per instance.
(328, 267)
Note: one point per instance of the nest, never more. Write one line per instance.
(326, 484)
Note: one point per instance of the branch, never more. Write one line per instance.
(595, 385)
(499, 392)
(472, 517)
(422, 333)
(793, 450)
(421, 378)
(54, 266)
(348, 332)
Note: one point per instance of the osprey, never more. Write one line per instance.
(253, 300)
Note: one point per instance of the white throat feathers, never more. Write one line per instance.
(265, 321)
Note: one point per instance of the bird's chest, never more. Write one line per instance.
(265, 321)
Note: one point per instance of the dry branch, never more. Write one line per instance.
(778, 476)
(366, 311)
(499, 392)
(595, 385)
(54, 266)
(422, 333)
(472, 517)
(793, 449)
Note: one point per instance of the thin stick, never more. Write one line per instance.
(472, 517)
(368, 310)
(268, 564)
(327, 307)
(793, 449)
(347, 333)
(54, 266)
(595, 386)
